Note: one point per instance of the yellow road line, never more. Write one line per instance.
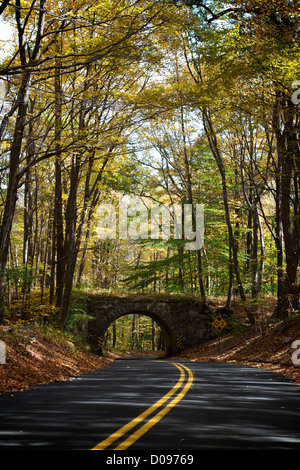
(116, 435)
(140, 432)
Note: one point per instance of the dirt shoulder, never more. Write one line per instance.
(270, 349)
(34, 358)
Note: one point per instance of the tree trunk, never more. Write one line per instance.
(288, 153)
(191, 202)
(232, 241)
(28, 218)
(254, 258)
(13, 182)
(70, 251)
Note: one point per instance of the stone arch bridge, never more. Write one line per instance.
(185, 322)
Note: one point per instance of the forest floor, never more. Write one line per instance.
(271, 349)
(267, 345)
(35, 357)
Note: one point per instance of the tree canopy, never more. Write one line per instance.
(157, 104)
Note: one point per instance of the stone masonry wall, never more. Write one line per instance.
(186, 323)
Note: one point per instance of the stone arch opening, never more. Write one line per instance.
(185, 323)
(103, 311)
(163, 343)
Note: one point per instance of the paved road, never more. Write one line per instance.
(148, 404)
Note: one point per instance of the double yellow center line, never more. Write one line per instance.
(183, 385)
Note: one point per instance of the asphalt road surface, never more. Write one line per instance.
(149, 404)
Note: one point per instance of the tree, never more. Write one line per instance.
(27, 55)
(269, 36)
(108, 31)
